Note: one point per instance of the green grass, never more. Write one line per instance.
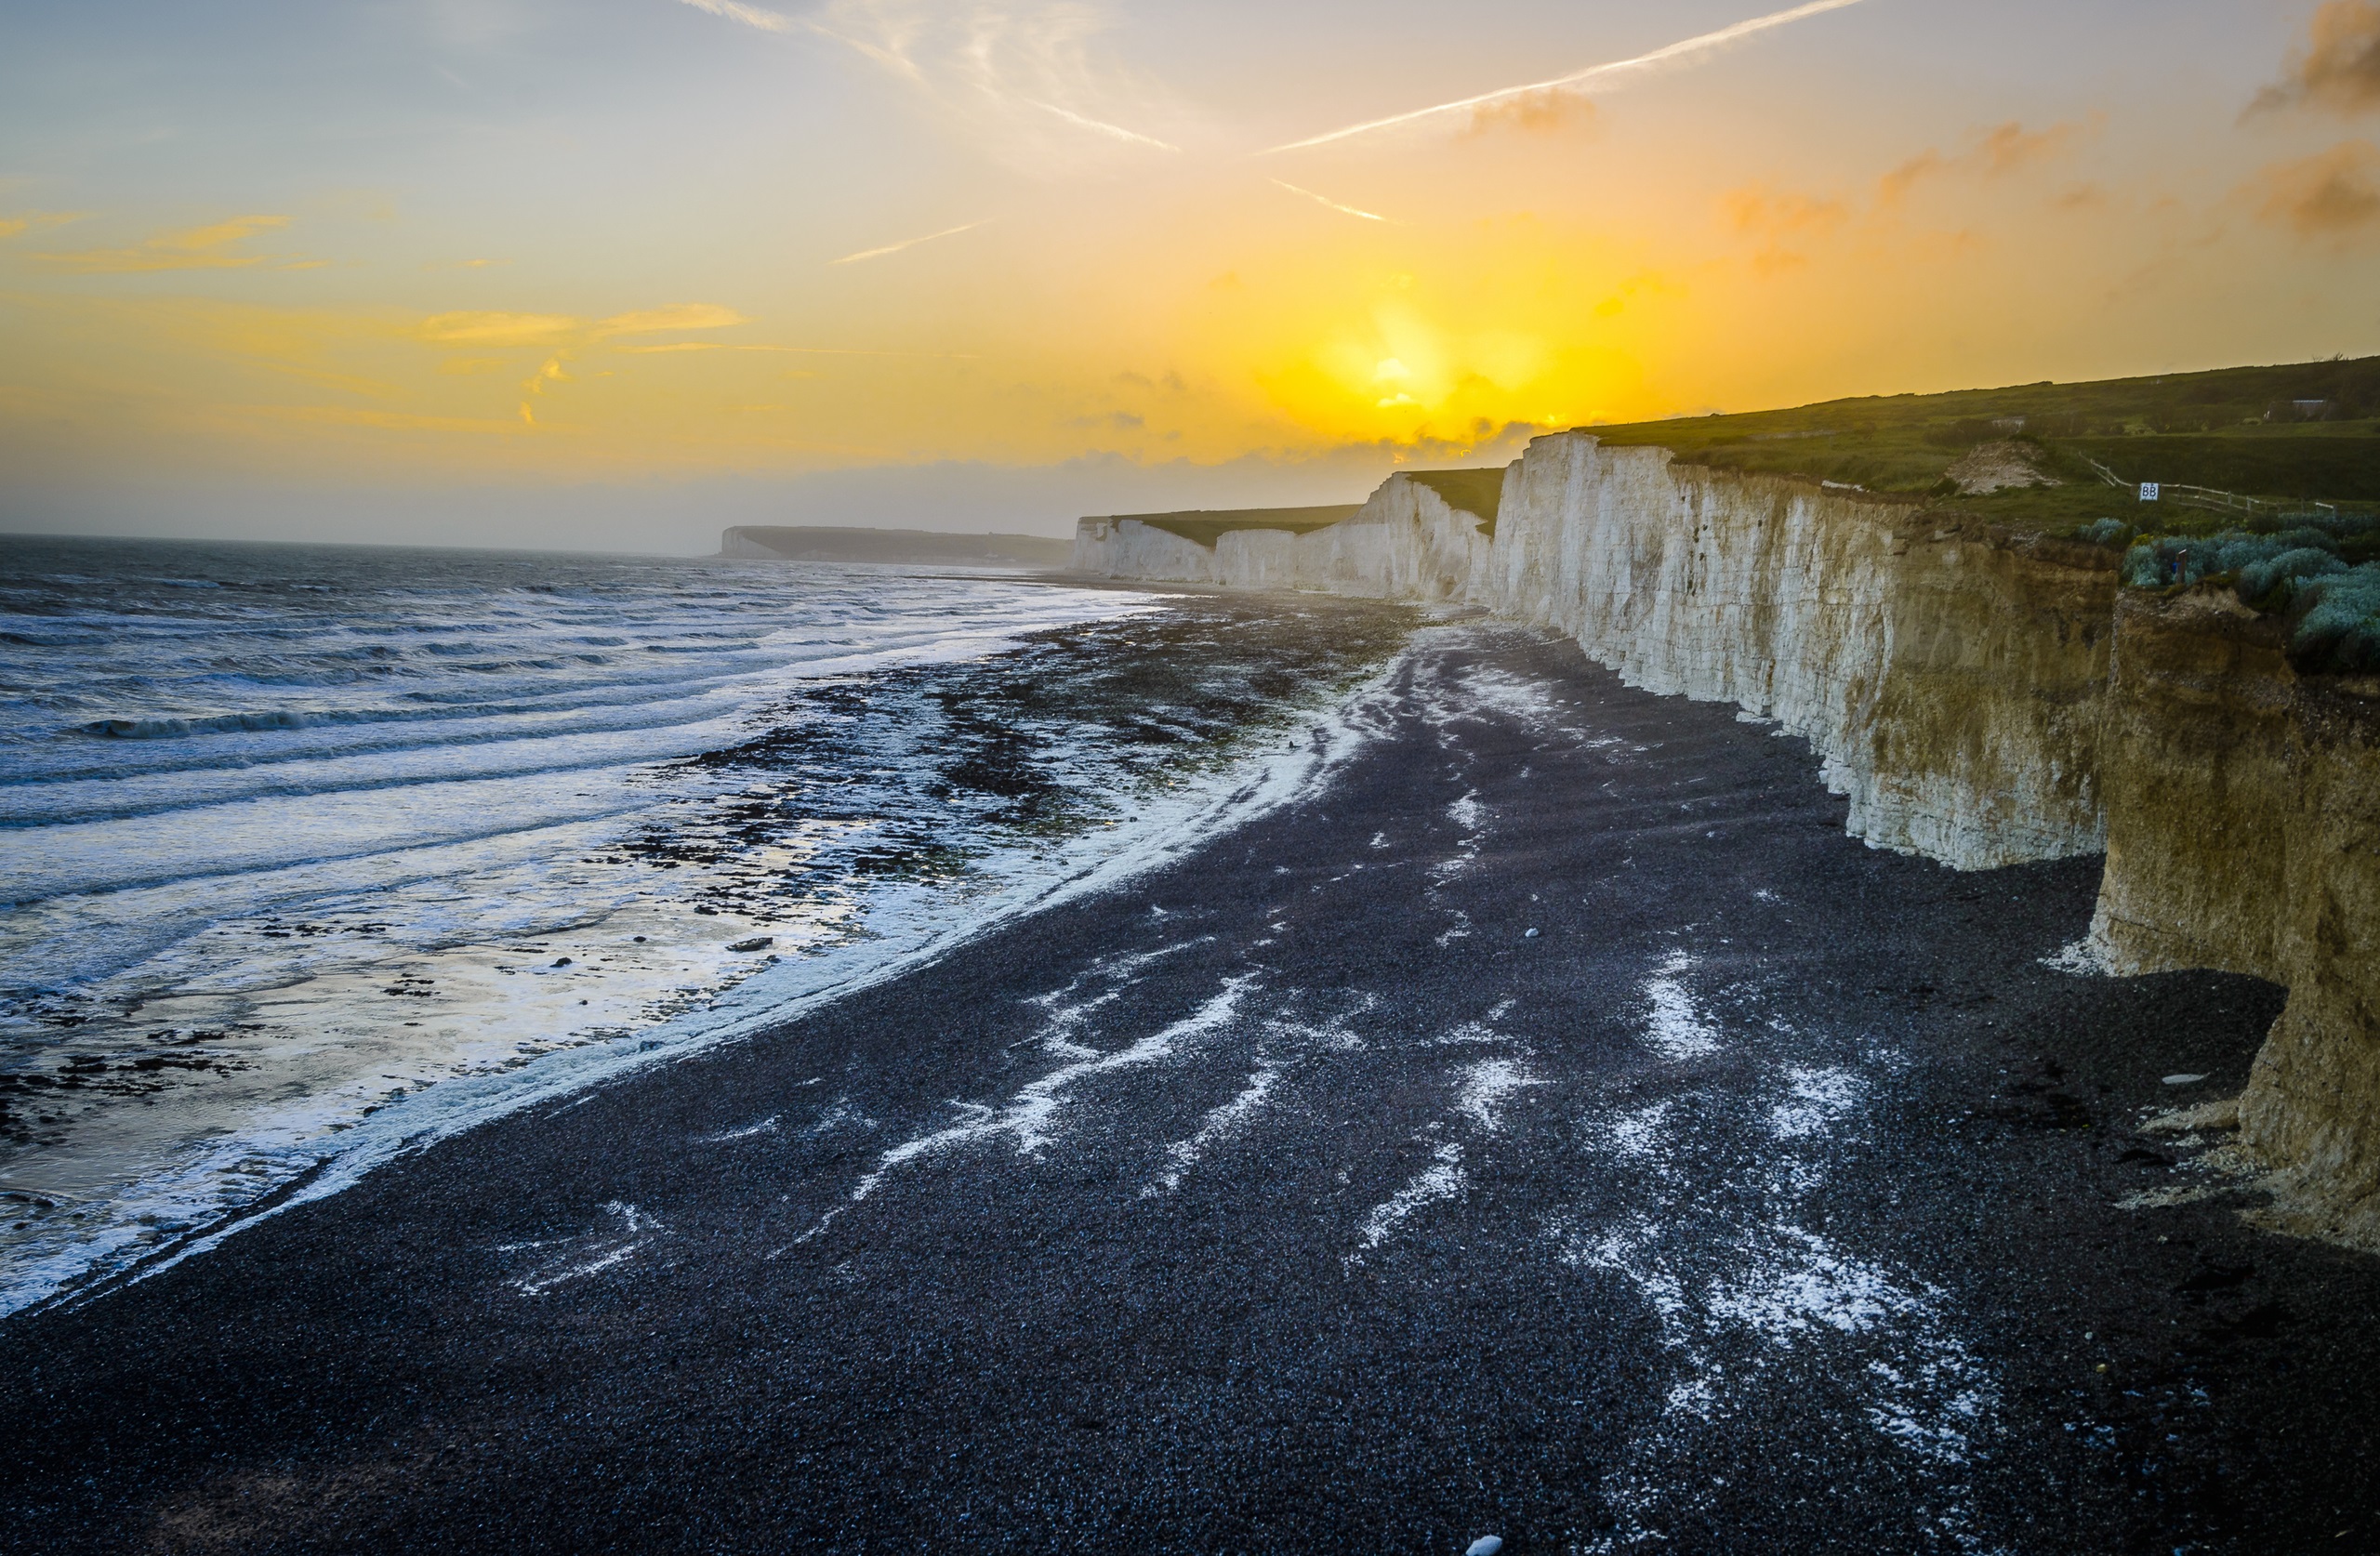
(2196, 428)
(2318, 462)
(2235, 429)
(2185, 428)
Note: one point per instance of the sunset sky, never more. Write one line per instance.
(617, 272)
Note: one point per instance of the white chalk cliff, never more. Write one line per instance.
(1967, 687)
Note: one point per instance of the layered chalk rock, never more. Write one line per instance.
(2244, 834)
(1981, 696)
(1884, 641)
(1130, 548)
(1404, 544)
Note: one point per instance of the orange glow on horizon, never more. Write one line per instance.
(1126, 278)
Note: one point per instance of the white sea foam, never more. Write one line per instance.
(1029, 1119)
(1810, 1284)
(1818, 1098)
(912, 931)
(1486, 1085)
(1633, 1250)
(1220, 1124)
(1727, 1249)
(316, 1069)
(1443, 1179)
(1525, 700)
(2084, 958)
(1676, 1026)
(842, 1115)
(1639, 1133)
(622, 1235)
(765, 1126)
(1031, 1116)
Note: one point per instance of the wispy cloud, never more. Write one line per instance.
(500, 329)
(675, 316)
(557, 329)
(1756, 210)
(906, 242)
(1784, 223)
(2333, 195)
(1536, 113)
(751, 16)
(1996, 153)
(564, 335)
(2339, 66)
(1027, 82)
(892, 46)
(1116, 132)
(1325, 200)
(1686, 51)
(549, 373)
(34, 222)
(189, 248)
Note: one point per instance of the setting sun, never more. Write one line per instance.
(1180, 777)
(1141, 243)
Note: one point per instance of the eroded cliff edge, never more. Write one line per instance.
(1983, 696)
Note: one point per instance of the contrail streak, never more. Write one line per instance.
(1675, 51)
(1119, 131)
(1325, 200)
(774, 21)
(906, 242)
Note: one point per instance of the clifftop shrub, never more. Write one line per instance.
(2334, 609)
(2337, 625)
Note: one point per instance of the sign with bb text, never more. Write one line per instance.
(2148, 491)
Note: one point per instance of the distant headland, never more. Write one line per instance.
(843, 543)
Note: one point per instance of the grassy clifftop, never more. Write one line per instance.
(2288, 437)
(2309, 432)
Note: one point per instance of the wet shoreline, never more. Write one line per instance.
(1295, 1194)
(172, 1052)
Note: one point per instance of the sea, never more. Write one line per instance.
(310, 855)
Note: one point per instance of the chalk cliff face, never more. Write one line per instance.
(1881, 639)
(1981, 696)
(1884, 641)
(2243, 832)
(1404, 544)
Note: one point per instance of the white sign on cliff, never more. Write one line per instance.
(2148, 491)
